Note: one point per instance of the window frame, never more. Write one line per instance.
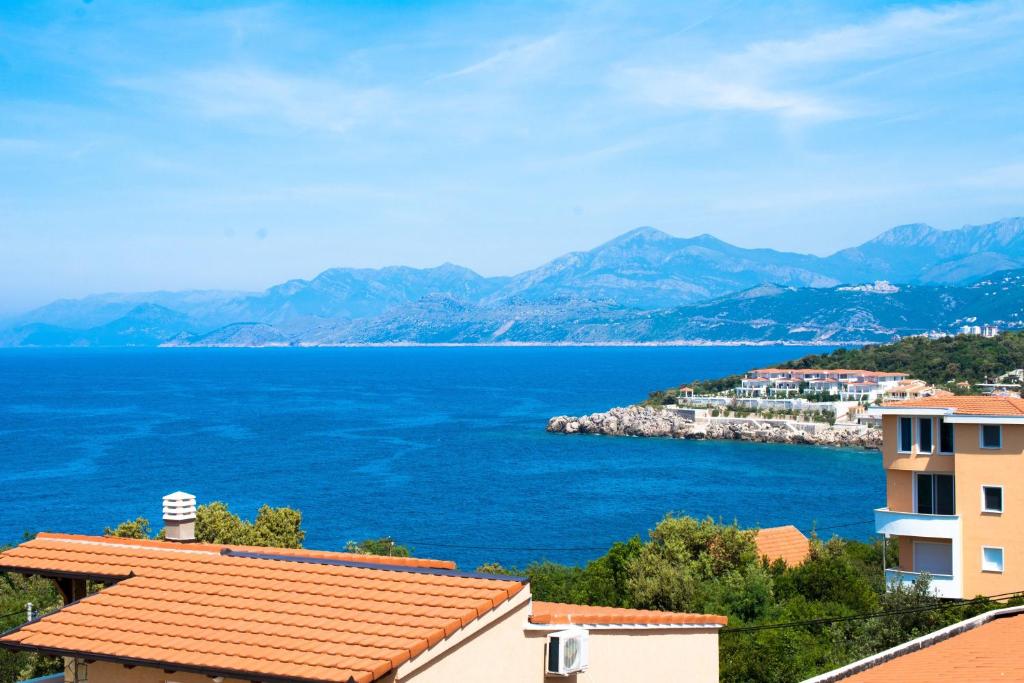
(1002, 499)
(940, 423)
(899, 434)
(933, 493)
(1002, 559)
(981, 437)
(931, 430)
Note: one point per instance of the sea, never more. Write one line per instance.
(442, 449)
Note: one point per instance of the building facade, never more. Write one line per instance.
(955, 492)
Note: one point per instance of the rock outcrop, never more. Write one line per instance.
(647, 421)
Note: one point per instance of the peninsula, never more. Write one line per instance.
(819, 399)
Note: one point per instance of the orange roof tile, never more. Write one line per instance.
(967, 405)
(784, 543)
(265, 614)
(297, 552)
(559, 613)
(988, 652)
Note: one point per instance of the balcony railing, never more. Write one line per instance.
(941, 585)
(893, 523)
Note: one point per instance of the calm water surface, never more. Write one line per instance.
(441, 448)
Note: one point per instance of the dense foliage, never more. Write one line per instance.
(215, 523)
(701, 566)
(946, 361)
(378, 546)
(966, 358)
(16, 592)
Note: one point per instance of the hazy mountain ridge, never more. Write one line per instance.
(644, 285)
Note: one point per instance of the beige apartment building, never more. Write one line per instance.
(955, 492)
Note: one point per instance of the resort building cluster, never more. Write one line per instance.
(840, 385)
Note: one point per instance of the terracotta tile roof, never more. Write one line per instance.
(989, 652)
(784, 543)
(967, 405)
(559, 613)
(277, 615)
(120, 564)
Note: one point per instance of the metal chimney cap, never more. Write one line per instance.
(179, 507)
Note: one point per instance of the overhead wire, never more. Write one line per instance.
(871, 615)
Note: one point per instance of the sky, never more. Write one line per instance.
(183, 145)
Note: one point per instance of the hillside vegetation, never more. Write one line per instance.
(937, 361)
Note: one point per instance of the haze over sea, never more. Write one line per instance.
(443, 449)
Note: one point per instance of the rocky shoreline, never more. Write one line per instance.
(647, 421)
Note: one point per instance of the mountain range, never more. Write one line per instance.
(643, 286)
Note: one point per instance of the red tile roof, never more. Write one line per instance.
(559, 613)
(968, 405)
(784, 543)
(988, 652)
(252, 613)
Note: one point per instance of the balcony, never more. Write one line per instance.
(941, 585)
(893, 523)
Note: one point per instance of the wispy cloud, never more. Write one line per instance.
(524, 58)
(1005, 177)
(244, 92)
(796, 79)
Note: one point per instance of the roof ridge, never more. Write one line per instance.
(218, 548)
(228, 552)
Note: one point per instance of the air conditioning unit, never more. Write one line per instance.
(567, 652)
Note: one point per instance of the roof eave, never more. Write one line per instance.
(167, 666)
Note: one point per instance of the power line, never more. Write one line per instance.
(433, 544)
(871, 615)
(12, 614)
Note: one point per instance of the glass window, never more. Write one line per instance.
(906, 434)
(992, 498)
(936, 494)
(944, 496)
(946, 444)
(991, 436)
(924, 435)
(991, 559)
(924, 494)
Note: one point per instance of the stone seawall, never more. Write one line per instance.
(647, 421)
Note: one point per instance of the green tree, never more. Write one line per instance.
(137, 528)
(379, 546)
(216, 524)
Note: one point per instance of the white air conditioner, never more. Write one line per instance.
(567, 652)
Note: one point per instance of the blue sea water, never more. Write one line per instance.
(442, 448)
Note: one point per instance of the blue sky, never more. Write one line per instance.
(184, 145)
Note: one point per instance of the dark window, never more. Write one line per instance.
(924, 438)
(906, 434)
(944, 496)
(946, 444)
(924, 494)
(935, 494)
(991, 436)
(993, 498)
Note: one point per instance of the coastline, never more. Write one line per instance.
(609, 344)
(645, 421)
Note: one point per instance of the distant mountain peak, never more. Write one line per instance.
(641, 234)
(906, 235)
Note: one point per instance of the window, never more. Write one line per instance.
(991, 436)
(946, 443)
(935, 494)
(991, 498)
(906, 429)
(991, 559)
(924, 435)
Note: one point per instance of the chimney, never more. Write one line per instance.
(180, 517)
